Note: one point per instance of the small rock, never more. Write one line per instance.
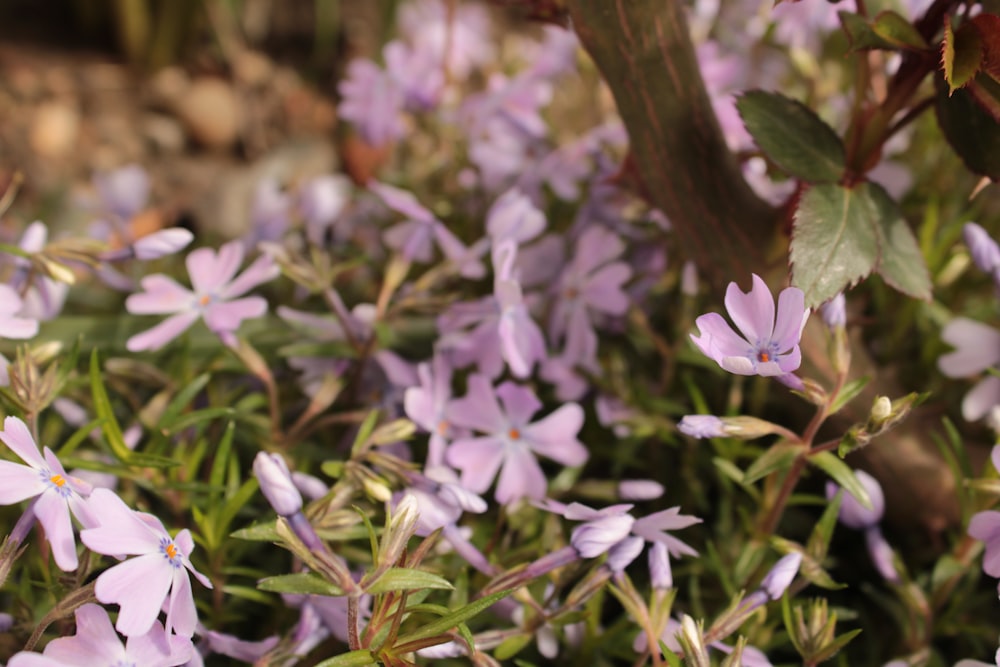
(54, 130)
(211, 113)
(252, 68)
(168, 86)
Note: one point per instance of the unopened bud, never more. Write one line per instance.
(834, 312)
(693, 643)
(881, 409)
(639, 489)
(276, 483)
(710, 426)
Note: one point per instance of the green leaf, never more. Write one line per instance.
(961, 55)
(834, 647)
(842, 474)
(898, 32)
(365, 432)
(302, 582)
(446, 623)
(900, 263)
(794, 137)
(847, 393)
(860, 33)
(972, 132)
(102, 405)
(819, 540)
(357, 658)
(834, 243)
(777, 457)
(259, 532)
(407, 579)
(511, 646)
(182, 400)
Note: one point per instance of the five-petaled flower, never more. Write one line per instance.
(141, 585)
(767, 346)
(56, 494)
(214, 299)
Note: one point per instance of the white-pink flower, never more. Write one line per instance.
(141, 585)
(215, 297)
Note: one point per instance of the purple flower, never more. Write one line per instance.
(276, 483)
(513, 216)
(214, 299)
(56, 494)
(701, 426)
(780, 577)
(522, 344)
(639, 489)
(834, 312)
(13, 324)
(985, 526)
(426, 405)
(417, 73)
(458, 37)
(413, 238)
(270, 212)
(141, 585)
(321, 202)
(123, 192)
(768, 346)
(984, 250)
(977, 348)
(511, 442)
(372, 100)
(653, 528)
(97, 643)
(440, 499)
(854, 515)
(43, 297)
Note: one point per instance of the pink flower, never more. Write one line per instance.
(96, 643)
(214, 298)
(510, 442)
(12, 325)
(141, 586)
(44, 478)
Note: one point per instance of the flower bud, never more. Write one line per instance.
(777, 581)
(595, 537)
(881, 409)
(639, 489)
(162, 243)
(276, 483)
(852, 513)
(834, 312)
(689, 279)
(660, 574)
(984, 250)
(691, 639)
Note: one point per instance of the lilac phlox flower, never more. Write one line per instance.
(56, 493)
(43, 297)
(220, 643)
(984, 250)
(513, 216)
(427, 404)
(522, 344)
(414, 237)
(603, 529)
(834, 312)
(701, 426)
(765, 345)
(579, 353)
(13, 324)
(456, 36)
(215, 297)
(592, 282)
(613, 413)
(510, 442)
(123, 192)
(332, 612)
(417, 73)
(854, 515)
(556, 53)
(977, 347)
(639, 489)
(653, 527)
(780, 577)
(973, 663)
(469, 335)
(141, 585)
(270, 212)
(440, 499)
(276, 483)
(372, 100)
(985, 526)
(97, 643)
(321, 201)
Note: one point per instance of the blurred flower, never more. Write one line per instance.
(97, 643)
(276, 483)
(426, 405)
(522, 344)
(834, 312)
(270, 212)
(701, 426)
(321, 201)
(854, 515)
(639, 489)
(457, 36)
(768, 346)
(43, 297)
(440, 499)
(372, 101)
(141, 585)
(977, 348)
(513, 216)
(13, 325)
(56, 494)
(123, 192)
(417, 73)
(511, 442)
(984, 250)
(214, 299)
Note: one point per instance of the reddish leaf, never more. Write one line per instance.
(961, 54)
(988, 26)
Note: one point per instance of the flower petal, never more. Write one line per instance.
(209, 270)
(792, 315)
(19, 482)
(53, 513)
(121, 529)
(261, 271)
(977, 347)
(16, 435)
(139, 586)
(521, 477)
(182, 617)
(555, 436)
(519, 402)
(95, 642)
(227, 315)
(718, 339)
(162, 333)
(983, 397)
(752, 312)
(478, 459)
(478, 409)
(161, 294)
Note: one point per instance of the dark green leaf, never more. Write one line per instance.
(900, 262)
(834, 243)
(259, 532)
(793, 136)
(512, 646)
(860, 33)
(182, 400)
(446, 623)
(302, 582)
(102, 405)
(407, 579)
(842, 474)
(847, 393)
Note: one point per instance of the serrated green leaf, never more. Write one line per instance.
(898, 31)
(900, 262)
(358, 658)
(834, 244)
(793, 136)
(847, 393)
(842, 474)
(446, 623)
(777, 457)
(971, 132)
(407, 579)
(301, 582)
(961, 55)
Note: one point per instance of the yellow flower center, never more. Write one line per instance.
(171, 550)
(205, 300)
(443, 426)
(58, 480)
(514, 434)
(763, 357)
